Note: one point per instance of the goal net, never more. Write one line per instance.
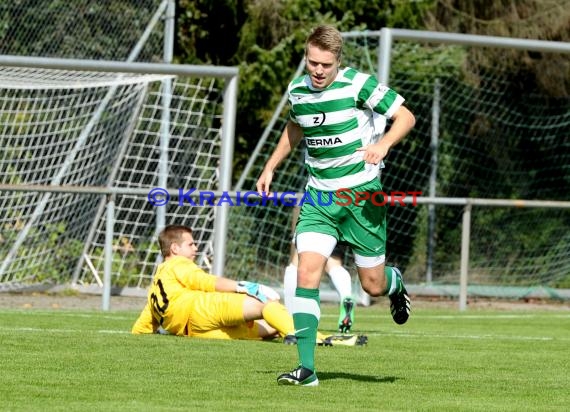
(102, 129)
(479, 134)
(83, 29)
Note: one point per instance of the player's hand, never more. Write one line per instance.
(264, 182)
(269, 292)
(252, 289)
(373, 153)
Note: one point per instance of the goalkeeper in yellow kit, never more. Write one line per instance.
(184, 300)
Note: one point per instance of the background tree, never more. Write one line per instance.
(266, 39)
(527, 19)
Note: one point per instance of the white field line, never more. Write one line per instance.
(54, 330)
(419, 335)
(88, 315)
(379, 334)
(548, 315)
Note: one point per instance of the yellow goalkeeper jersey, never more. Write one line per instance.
(175, 283)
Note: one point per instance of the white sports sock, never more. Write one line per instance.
(341, 281)
(289, 286)
(363, 297)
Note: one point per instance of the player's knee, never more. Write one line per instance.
(307, 278)
(252, 308)
(373, 288)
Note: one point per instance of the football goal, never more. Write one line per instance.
(73, 130)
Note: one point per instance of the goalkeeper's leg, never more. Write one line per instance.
(253, 330)
(277, 316)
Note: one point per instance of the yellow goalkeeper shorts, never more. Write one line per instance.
(217, 311)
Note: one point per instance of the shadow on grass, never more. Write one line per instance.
(350, 376)
(356, 377)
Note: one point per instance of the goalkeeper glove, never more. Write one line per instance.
(252, 289)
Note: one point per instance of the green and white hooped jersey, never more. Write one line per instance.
(338, 120)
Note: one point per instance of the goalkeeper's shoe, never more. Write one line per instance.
(344, 340)
(290, 340)
(346, 317)
(400, 303)
(300, 376)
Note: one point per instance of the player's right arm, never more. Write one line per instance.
(290, 138)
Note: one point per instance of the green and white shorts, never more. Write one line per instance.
(347, 215)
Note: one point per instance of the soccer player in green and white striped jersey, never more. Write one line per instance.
(333, 109)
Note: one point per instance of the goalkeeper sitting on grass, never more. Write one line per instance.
(186, 301)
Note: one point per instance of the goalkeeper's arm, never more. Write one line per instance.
(260, 292)
(225, 285)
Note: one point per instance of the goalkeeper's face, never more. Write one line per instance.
(185, 247)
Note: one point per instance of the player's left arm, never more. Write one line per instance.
(198, 279)
(192, 277)
(403, 120)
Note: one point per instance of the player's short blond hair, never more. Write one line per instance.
(326, 38)
(169, 235)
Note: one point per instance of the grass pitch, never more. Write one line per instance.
(441, 360)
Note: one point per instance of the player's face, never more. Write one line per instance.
(186, 247)
(322, 66)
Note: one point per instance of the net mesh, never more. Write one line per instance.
(495, 139)
(84, 29)
(101, 130)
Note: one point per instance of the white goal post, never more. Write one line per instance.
(78, 135)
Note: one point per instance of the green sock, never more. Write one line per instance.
(394, 281)
(306, 315)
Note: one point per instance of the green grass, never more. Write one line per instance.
(441, 360)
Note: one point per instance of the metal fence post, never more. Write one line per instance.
(464, 267)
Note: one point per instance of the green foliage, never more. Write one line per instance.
(207, 30)
(409, 14)
(527, 19)
(88, 30)
(426, 63)
(53, 245)
(266, 39)
(129, 260)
